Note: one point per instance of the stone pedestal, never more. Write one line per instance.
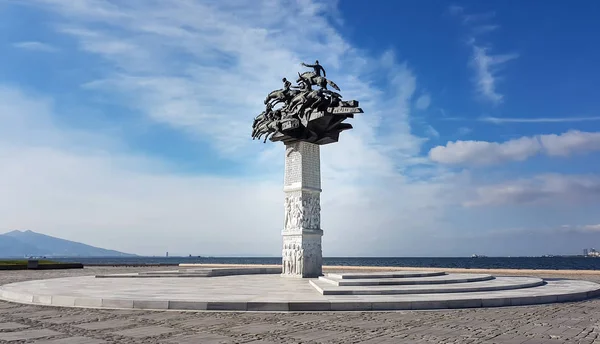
(302, 254)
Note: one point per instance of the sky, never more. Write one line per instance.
(127, 124)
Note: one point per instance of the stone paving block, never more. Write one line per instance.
(203, 322)
(204, 338)
(65, 301)
(147, 331)
(312, 334)
(162, 316)
(27, 335)
(310, 306)
(5, 305)
(365, 325)
(464, 303)
(11, 326)
(72, 340)
(381, 340)
(141, 304)
(350, 306)
(105, 325)
(254, 328)
(268, 306)
(88, 302)
(188, 305)
(64, 319)
(416, 305)
(42, 299)
(34, 314)
(226, 306)
(117, 303)
(496, 302)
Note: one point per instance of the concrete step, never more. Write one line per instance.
(499, 283)
(207, 272)
(390, 274)
(271, 293)
(442, 279)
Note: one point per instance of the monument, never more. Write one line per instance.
(304, 116)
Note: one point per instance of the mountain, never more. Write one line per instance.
(29, 243)
(11, 247)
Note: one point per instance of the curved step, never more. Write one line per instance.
(267, 293)
(499, 283)
(443, 279)
(391, 274)
(206, 272)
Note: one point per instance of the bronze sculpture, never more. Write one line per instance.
(309, 114)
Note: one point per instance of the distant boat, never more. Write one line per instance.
(478, 256)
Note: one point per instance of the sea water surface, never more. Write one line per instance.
(550, 263)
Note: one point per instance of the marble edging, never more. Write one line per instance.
(291, 306)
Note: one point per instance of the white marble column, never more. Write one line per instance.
(302, 255)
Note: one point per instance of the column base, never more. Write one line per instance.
(302, 255)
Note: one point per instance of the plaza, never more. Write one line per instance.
(569, 322)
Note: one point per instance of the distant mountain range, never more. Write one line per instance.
(29, 243)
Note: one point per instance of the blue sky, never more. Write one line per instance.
(127, 125)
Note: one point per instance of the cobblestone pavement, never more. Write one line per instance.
(557, 323)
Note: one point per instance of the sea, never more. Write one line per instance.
(547, 263)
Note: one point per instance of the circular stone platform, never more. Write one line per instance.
(267, 291)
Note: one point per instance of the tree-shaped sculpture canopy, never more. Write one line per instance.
(307, 111)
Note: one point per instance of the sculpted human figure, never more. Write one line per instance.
(286, 84)
(287, 258)
(300, 260)
(288, 210)
(284, 262)
(292, 259)
(305, 98)
(299, 213)
(316, 67)
(295, 211)
(264, 116)
(311, 211)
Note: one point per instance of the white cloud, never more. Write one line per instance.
(35, 46)
(487, 67)
(484, 153)
(112, 199)
(463, 131)
(478, 17)
(423, 102)
(581, 228)
(592, 228)
(544, 189)
(489, 153)
(207, 78)
(431, 131)
(482, 29)
(501, 120)
(204, 70)
(569, 143)
(455, 10)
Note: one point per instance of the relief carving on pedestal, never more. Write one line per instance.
(312, 209)
(293, 213)
(302, 212)
(292, 259)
